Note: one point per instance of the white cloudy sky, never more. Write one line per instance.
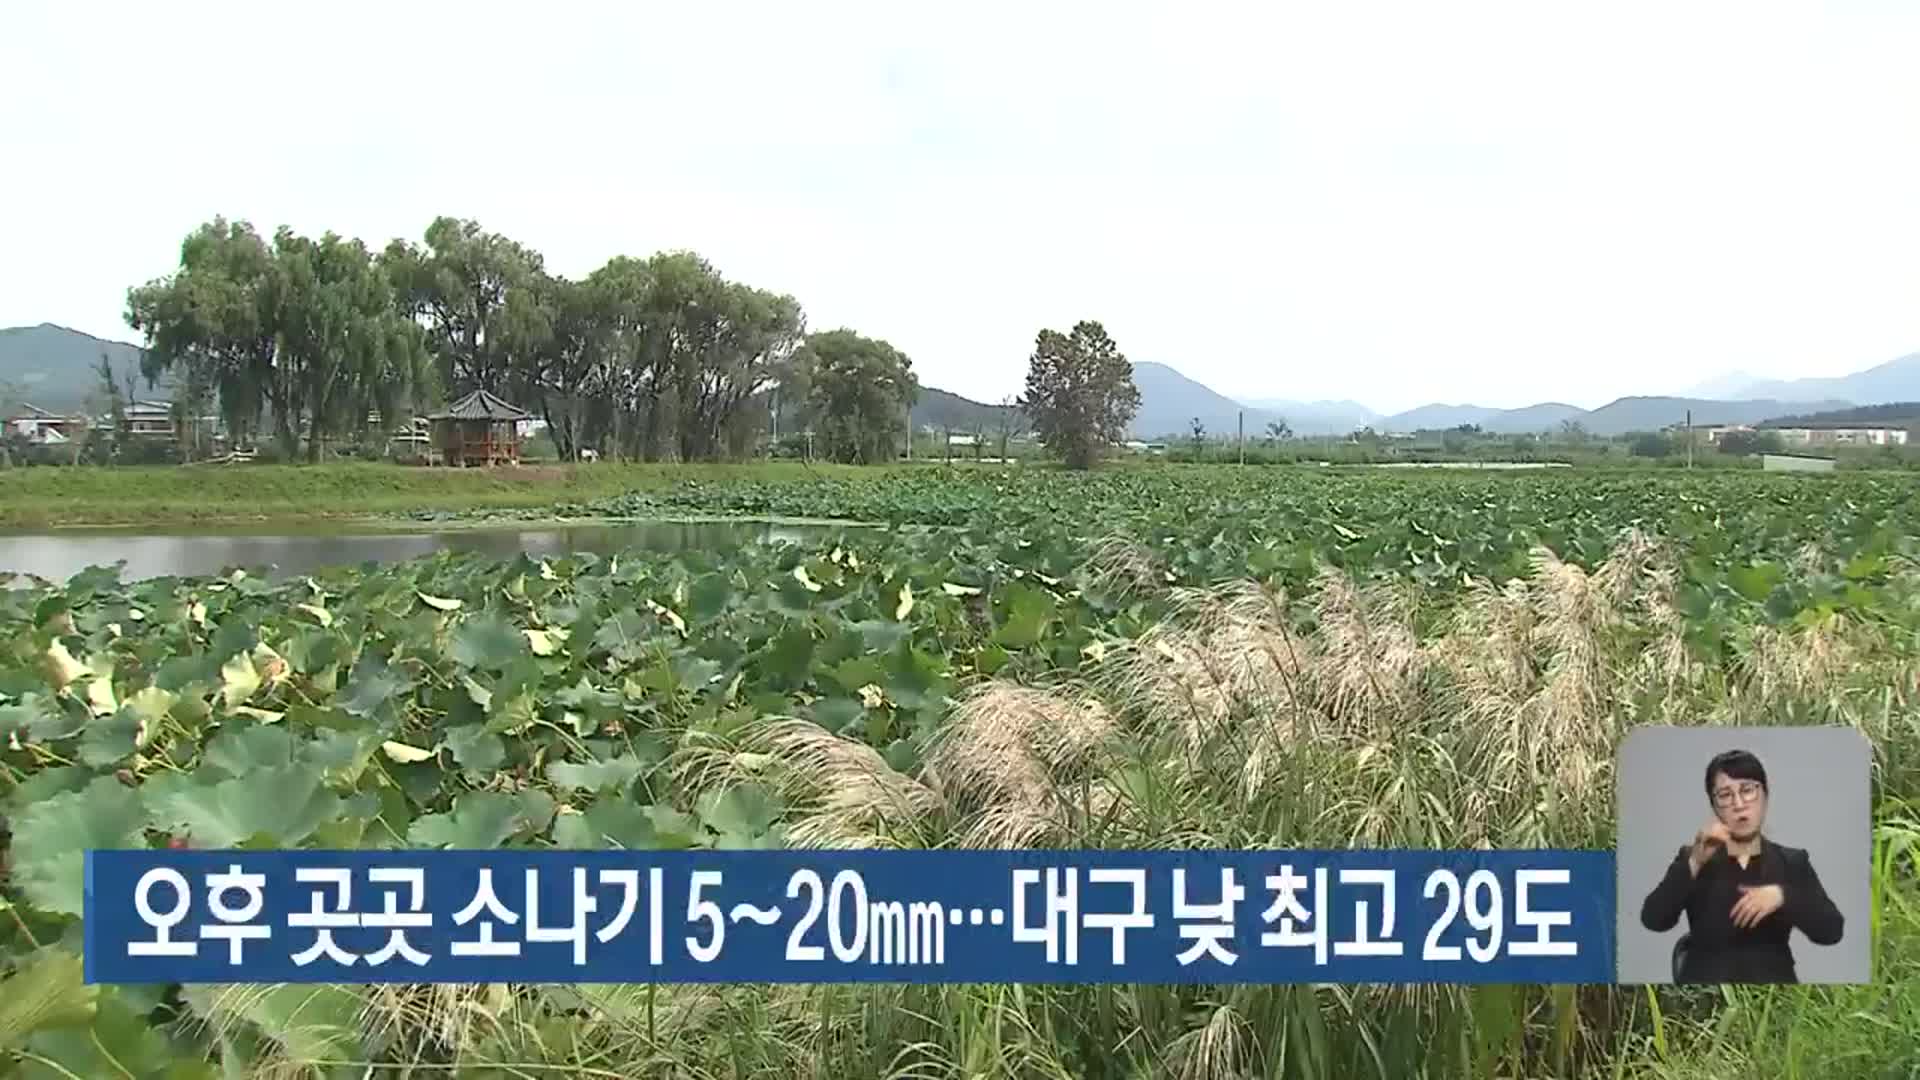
(1397, 203)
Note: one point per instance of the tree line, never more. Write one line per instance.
(305, 341)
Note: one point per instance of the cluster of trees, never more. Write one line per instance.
(294, 333)
(1655, 444)
(308, 340)
(659, 358)
(1743, 443)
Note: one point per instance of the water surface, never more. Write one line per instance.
(287, 551)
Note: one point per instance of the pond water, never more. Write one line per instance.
(286, 551)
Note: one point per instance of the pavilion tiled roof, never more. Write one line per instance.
(481, 405)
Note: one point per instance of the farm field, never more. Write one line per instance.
(1174, 656)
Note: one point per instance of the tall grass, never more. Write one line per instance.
(1251, 719)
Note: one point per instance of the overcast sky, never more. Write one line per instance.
(1396, 203)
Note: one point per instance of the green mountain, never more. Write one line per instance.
(944, 411)
(57, 368)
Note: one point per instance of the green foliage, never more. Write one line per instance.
(344, 348)
(860, 391)
(1744, 443)
(603, 702)
(478, 294)
(1651, 444)
(1080, 393)
(657, 359)
(51, 836)
(217, 321)
(307, 331)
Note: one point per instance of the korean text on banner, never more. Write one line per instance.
(1537, 916)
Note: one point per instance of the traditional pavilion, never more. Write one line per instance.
(479, 429)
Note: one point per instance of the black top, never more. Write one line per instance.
(1717, 950)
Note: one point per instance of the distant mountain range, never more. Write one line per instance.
(1317, 417)
(1895, 380)
(1169, 402)
(54, 367)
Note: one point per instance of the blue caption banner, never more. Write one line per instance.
(1277, 916)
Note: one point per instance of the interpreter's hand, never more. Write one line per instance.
(1711, 835)
(1756, 903)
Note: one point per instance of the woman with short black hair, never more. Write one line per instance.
(1743, 894)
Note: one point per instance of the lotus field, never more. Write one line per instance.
(1152, 657)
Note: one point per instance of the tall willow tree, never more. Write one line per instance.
(660, 358)
(572, 368)
(685, 357)
(705, 349)
(346, 348)
(760, 337)
(619, 414)
(215, 321)
(478, 297)
(306, 331)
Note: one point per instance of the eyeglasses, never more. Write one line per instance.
(1746, 792)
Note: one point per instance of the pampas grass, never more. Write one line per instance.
(1350, 715)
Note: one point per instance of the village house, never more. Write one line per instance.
(41, 427)
(147, 420)
(153, 423)
(1710, 433)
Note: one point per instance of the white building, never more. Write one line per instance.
(1816, 434)
(1842, 436)
(41, 427)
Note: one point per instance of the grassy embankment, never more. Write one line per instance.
(186, 496)
(211, 494)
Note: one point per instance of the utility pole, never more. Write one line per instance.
(1243, 436)
(1689, 438)
(909, 433)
